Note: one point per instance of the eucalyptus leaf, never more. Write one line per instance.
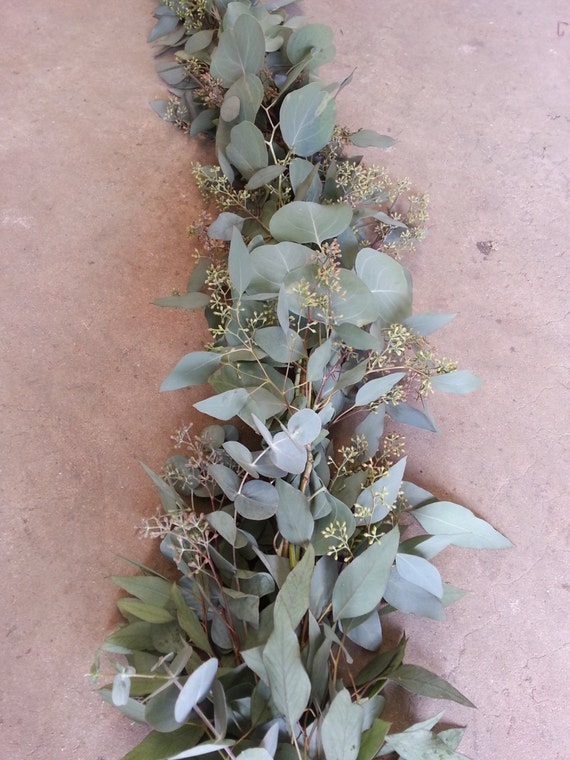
(195, 689)
(294, 518)
(293, 598)
(369, 138)
(373, 390)
(315, 40)
(409, 415)
(257, 500)
(239, 265)
(159, 746)
(426, 324)
(447, 518)
(192, 369)
(223, 226)
(283, 347)
(342, 728)
(421, 744)
(388, 281)
(264, 176)
(360, 586)
(148, 589)
(420, 572)
(199, 41)
(372, 740)
(421, 681)
(307, 222)
(143, 611)
(271, 263)
(409, 597)
(247, 150)
(307, 119)
(224, 406)
(203, 749)
(186, 301)
(288, 680)
(459, 381)
(240, 51)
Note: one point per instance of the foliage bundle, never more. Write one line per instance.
(286, 531)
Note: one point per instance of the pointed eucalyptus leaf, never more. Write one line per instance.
(353, 336)
(195, 689)
(165, 25)
(190, 623)
(389, 283)
(224, 406)
(369, 138)
(158, 746)
(342, 728)
(203, 122)
(322, 583)
(306, 222)
(361, 584)
(371, 428)
(288, 680)
(186, 301)
(294, 518)
(283, 347)
(148, 589)
(367, 633)
(143, 611)
(420, 572)
(206, 748)
(223, 226)
(452, 737)
(340, 514)
(270, 740)
(239, 265)
(421, 744)
(408, 597)
(421, 681)
(372, 740)
(447, 518)
(305, 181)
(228, 480)
(258, 500)
(374, 389)
(318, 360)
(253, 658)
(199, 41)
(264, 176)
(350, 377)
(426, 324)
(223, 523)
(171, 73)
(169, 499)
(159, 710)
(409, 415)
(192, 369)
(293, 597)
(132, 637)
(255, 753)
(427, 547)
(307, 118)
(240, 51)
(378, 498)
(460, 381)
(247, 150)
(243, 607)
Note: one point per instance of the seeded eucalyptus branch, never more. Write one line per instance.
(292, 533)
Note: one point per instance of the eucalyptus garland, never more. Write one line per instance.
(292, 533)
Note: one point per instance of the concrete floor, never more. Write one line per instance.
(94, 201)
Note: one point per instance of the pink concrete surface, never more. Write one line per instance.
(95, 197)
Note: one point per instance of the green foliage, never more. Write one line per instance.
(286, 541)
